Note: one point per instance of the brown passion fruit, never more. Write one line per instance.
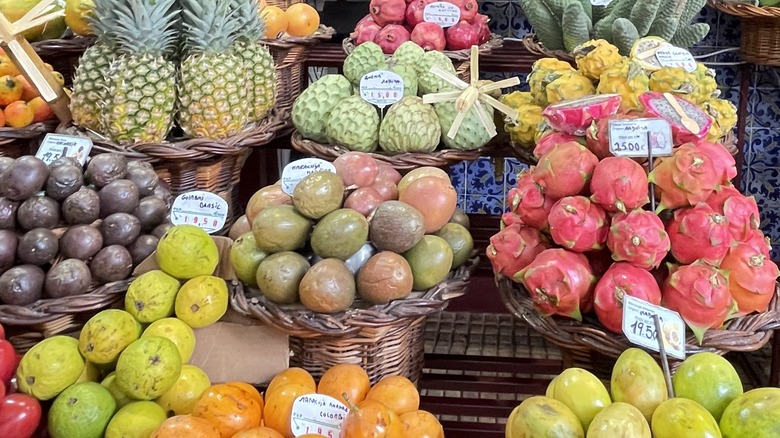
(38, 212)
(81, 242)
(67, 278)
(105, 168)
(21, 285)
(112, 263)
(385, 277)
(38, 247)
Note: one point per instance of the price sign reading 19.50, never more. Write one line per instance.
(640, 329)
(632, 138)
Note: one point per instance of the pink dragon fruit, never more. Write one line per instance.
(576, 115)
(656, 105)
(528, 203)
(366, 30)
(752, 276)
(429, 36)
(622, 279)
(565, 170)
(513, 248)
(387, 12)
(468, 8)
(700, 294)
(686, 178)
(740, 211)
(638, 237)
(484, 29)
(550, 140)
(390, 37)
(699, 232)
(619, 184)
(559, 282)
(724, 161)
(509, 218)
(414, 12)
(578, 225)
(462, 35)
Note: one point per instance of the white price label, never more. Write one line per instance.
(631, 138)
(639, 326)
(202, 209)
(442, 13)
(381, 88)
(671, 56)
(294, 172)
(317, 414)
(601, 2)
(56, 146)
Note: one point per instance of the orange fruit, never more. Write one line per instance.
(275, 21)
(41, 110)
(11, 90)
(7, 67)
(291, 375)
(28, 91)
(421, 424)
(229, 408)
(397, 393)
(278, 407)
(18, 114)
(249, 389)
(2, 119)
(371, 419)
(302, 20)
(345, 378)
(259, 432)
(186, 426)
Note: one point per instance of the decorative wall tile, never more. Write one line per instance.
(500, 13)
(512, 167)
(764, 107)
(458, 177)
(495, 76)
(482, 178)
(766, 76)
(709, 16)
(762, 178)
(485, 204)
(728, 31)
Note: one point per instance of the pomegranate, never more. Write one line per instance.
(356, 169)
(390, 37)
(752, 276)
(484, 29)
(386, 188)
(578, 225)
(638, 237)
(387, 12)
(619, 184)
(434, 197)
(686, 178)
(622, 279)
(559, 282)
(366, 33)
(699, 233)
(528, 203)
(462, 35)
(468, 8)
(429, 36)
(513, 248)
(550, 140)
(740, 211)
(565, 170)
(414, 12)
(700, 294)
(364, 200)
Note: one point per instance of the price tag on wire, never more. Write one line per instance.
(672, 56)
(640, 328)
(55, 146)
(381, 88)
(202, 209)
(317, 414)
(444, 14)
(631, 138)
(297, 170)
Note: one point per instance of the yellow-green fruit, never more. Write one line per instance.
(178, 332)
(245, 257)
(91, 373)
(151, 296)
(680, 417)
(136, 420)
(148, 368)
(619, 420)
(202, 301)
(82, 411)
(753, 414)
(460, 241)
(121, 398)
(318, 193)
(708, 379)
(582, 392)
(543, 417)
(638, 380)
(181, 398)
(14, 10)
(49, 367)
(186, 251)
(106, 334)
(523, 131)
(430, 260)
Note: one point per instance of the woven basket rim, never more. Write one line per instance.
(323, 33)
(533, 45)
(746, 11)
(28, 132)
(63, 46)
(494, 42)
(298, 321)
(745, 333)
(403, 161)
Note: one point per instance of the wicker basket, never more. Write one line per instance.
(383, 339)
(63, 54)
(533, 45)
(24, 141)
(760, 33)
(587, 343)
(494, 42)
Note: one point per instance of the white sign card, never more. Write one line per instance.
(442, 13)
(55, 146)
(381, 88)
(317, 414)
(295, 171)
(632, 137)
(202, 209)
(639, 326)
(672, 56)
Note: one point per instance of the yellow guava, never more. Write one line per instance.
(202, 301)
(91, 373)
(121, 398)
(186, 251)
(106, 334)
(178, 332)
(151, 296)
(181, 398)
(148, 368)
(136, 420)
(49, 367)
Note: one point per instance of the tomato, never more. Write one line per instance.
(19, 416)
(8, 361)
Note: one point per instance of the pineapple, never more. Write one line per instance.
(258, 61)
(629, 81)
(212, 80)
(141, 98)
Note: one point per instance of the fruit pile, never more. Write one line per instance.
(20, 414)
(708, 401)
(20, 103)
(331, 110)
(156, 62)
(299, 20)
(602, 70)
(363, 230)
(391, 23)
(88, 227)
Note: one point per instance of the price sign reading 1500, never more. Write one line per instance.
(627, 146)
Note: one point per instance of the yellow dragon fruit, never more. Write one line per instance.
(529, 118)
(675, 80)
(707, 86)
(629, 81)
(540, 72)
(724, 118)
(568, 85)
(596, 56)
(516, 99)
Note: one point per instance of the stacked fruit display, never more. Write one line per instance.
(708, 401)
(299, 20)
(391, 23)
(363, 230)
(20, 103)
(198, 64)
(64, 229)
(19, 413)
(602, 70)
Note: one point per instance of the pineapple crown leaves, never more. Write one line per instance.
(102, 21)
(252, 24)
(146, 26)
(210, 26)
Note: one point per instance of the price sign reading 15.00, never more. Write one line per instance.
(631, 138)
(640, 329)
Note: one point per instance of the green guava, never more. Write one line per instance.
(82, 411)
(136, 420)
(106, 334)
(49, 367)
(121, 398)
(186, 251)
(148, 367)
(245, 257)
(151, 296)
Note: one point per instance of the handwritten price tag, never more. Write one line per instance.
(442, 13)
(381, 88)
(202, 209)
(317, 414)
(671, 56)
(639, 326)
(631, 138)
(294, 172)
(56, 146)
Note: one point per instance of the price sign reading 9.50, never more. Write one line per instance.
(640, 329)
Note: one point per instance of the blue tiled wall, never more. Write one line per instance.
(482, 184)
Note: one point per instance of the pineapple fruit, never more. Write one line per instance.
(258, 61)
